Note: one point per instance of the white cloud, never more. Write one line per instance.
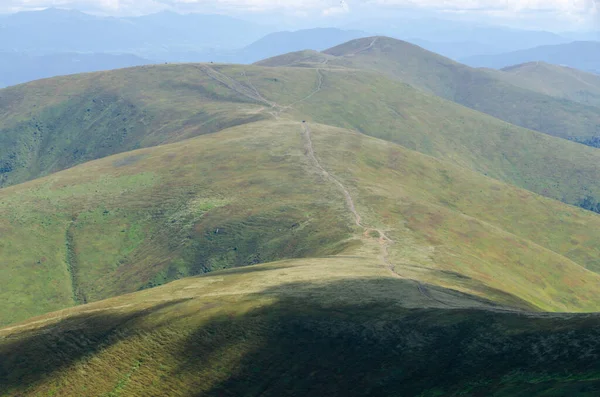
(507, 6)
(573, 9)
(341, 8)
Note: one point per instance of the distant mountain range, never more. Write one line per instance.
(151, 36)
(583, 55)
(16, 68)
(73, 42)
(456, 39)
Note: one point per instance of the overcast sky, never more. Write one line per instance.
(559, 14)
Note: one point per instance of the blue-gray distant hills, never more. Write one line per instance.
(583, 55)
(56, 30)
(16, 68)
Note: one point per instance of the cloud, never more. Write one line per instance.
(580, 7)
(566, 9)
(342, 8)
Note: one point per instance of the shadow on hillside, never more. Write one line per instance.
(244, 270)
(374, 351)
(36, 354)
(343, 338)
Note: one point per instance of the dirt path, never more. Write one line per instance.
(310, 152)
(252, 92)
(384, 241)
(317, 90)
(367, 47)
(72, 264)
(236, 86)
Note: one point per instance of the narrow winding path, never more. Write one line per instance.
(384, 241)
(250, 91)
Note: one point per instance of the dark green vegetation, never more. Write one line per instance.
(349, 234)
(475, 88)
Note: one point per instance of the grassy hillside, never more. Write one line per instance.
(331, 262)
(374, 105)
(554, 80)
(144, 218)
(341, 325)
(474, 88)
(141, 218)
(54, 124)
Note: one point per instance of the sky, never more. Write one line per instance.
(555, 14)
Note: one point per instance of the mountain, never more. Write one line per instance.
(54, 124)
(17, 68)
(475, 88)
(458, 39)
(554, 80)
(313, 228)
(148, 243)
(152, 36)
(458, 50)
(271, 45)
(452, 32)
(384, 250)
(583, 55)
(284, 42)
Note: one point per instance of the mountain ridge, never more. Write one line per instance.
(474, 88)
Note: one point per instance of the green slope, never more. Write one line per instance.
(375, 105)
(554, 80)
(339, 263)
(53, 124)
(140, 219)
(182, 101)
(475, 88)
(341, 325)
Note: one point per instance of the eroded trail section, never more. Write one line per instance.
(310, 152)
(316, 91)
(368, 232)
(73, 265)
(236, 86)
(367, 47)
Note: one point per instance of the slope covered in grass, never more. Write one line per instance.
(54, 124)
(144, 218)
(375, 105)
(338, 263)
(554, 80)
(474, 88)
(336, 326)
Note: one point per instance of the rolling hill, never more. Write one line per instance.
(226, 230)
(475, 88)
(436, 272)
(277, 43)
(45, 122)
(556, 81)
(146, 243)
